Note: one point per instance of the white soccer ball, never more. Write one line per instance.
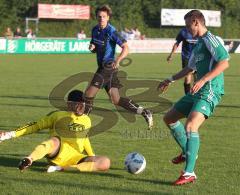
(135, 163)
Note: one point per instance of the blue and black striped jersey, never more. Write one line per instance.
(187, 42)
(105, 41)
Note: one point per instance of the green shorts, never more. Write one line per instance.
(190, 103)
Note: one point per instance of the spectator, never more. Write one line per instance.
(130, 34)
(229, 46)
(81, 35)
(8, 34)
(142, 37)
(30, 34)
(137, 33)
(124, 34)
(18, 33)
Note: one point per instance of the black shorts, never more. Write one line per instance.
(184, 62)
(106, 79)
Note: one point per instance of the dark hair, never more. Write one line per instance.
(195, 15)
(76, 96)
(104, 8)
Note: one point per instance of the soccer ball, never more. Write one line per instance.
(135, 163)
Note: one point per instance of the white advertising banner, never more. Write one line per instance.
(57, 11)
(175, 17)
(152, 46)
(2, 45)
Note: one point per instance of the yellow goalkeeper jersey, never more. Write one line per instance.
(70, 128)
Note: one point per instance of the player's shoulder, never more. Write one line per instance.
(213, 40)
(186, 34)
(110, 28)
(181, 34)
(183, 30)
(85, 117)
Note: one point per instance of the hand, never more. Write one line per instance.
(92, 47)
(197, 86)
(163, 85)
(6, 135)
(169, 58)
(115, 64)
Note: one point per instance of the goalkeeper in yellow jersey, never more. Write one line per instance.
(68, 146)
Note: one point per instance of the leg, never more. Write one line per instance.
(129, 105)
(90, 93)
(49, 147)
(94, 163)
(187, 83)
(172, 116)
(194, 121)
(171, 119)
(188, 78)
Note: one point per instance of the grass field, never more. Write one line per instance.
(25, 84)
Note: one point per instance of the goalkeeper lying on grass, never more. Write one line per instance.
(68, 143)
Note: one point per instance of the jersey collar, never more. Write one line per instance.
(100, 29)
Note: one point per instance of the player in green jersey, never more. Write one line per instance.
(209, 58)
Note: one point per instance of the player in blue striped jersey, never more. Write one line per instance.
(104, 41)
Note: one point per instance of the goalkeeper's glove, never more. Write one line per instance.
(7, 135)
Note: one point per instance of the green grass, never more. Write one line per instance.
(27, 80)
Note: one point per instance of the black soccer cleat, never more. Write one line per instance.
(24, 163)
(148, 117)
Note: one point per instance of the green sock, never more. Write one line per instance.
(179, 134)
(193, 143)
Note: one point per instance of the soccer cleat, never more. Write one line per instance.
(185, 178)
(52, 169)
(148, 117)
(179, 159)
(25, 163)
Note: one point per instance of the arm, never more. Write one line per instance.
(88, 147)
(175, 46)
(92, 47)
(219, 68)
(30, 128)
(119, 40)
(179, 39)
(164, 84)
(123, 54)
(220, 55)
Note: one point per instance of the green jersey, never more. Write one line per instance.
(208, 51)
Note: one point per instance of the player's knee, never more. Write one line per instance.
(55, 142)
(190, 126)
(115, 100)
(167, 119)
(105, 164)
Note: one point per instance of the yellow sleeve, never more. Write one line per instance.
(88, 147)
(44, 123)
